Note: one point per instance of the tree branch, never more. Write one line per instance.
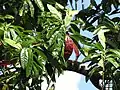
(76, 67)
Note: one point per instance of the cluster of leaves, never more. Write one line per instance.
(32, 36)
(103, 52)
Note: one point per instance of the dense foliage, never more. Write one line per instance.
(32, 35)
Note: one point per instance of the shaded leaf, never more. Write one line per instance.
(93, 3)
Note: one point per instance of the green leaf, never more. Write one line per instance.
(109, 24)
(36, 69)
(92, 72)
(24, 57)
(30, 62)
(69, 16)
(101, 63)
(75, 27)
(54, 11)
(99, 46)
(13, 34)
(39, 67)
(93, 3)
(102, 38)
(82, 39)
(6, 17)
(1, 33)
(39, 4)
(59, 6)
(9, 17)
(116, 52)
(13, 43)
(5, 87)
(92, 58)
(31, 8)
(23, 9)
(39, 52)
(52, 31)
(112, 60)
(86, 59)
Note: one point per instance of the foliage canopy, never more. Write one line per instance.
(32, 34)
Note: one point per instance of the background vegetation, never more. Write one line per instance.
(32, 35)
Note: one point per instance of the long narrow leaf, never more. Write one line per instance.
(30, 62)
(13, 43)
(24, 57)
(39, 4)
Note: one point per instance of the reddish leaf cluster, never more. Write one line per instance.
(69, 47)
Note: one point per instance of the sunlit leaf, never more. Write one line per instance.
(101, 63)
(13, 43)
(31, 8)
(6, 17)
(102, 38)
(24, 57)
(39, 4)
(54, 11)
(112, 60)
(116, 52)
(59, 6)
(69, 16)
(13, 34)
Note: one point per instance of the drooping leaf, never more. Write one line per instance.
(30, 62)
(24, 57)
(76, 29)
(112, 60)
(99, 46)
(69, 16)
(93, 2)
(13, 43)
(59, 6)
(39, 52)
(6, 17)
(116, 52)
(102, 38)
(101, 63)
(39, 4)
(31, 7)
(52, 31)
(54, 11)
(93, 71)
(36, 69)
